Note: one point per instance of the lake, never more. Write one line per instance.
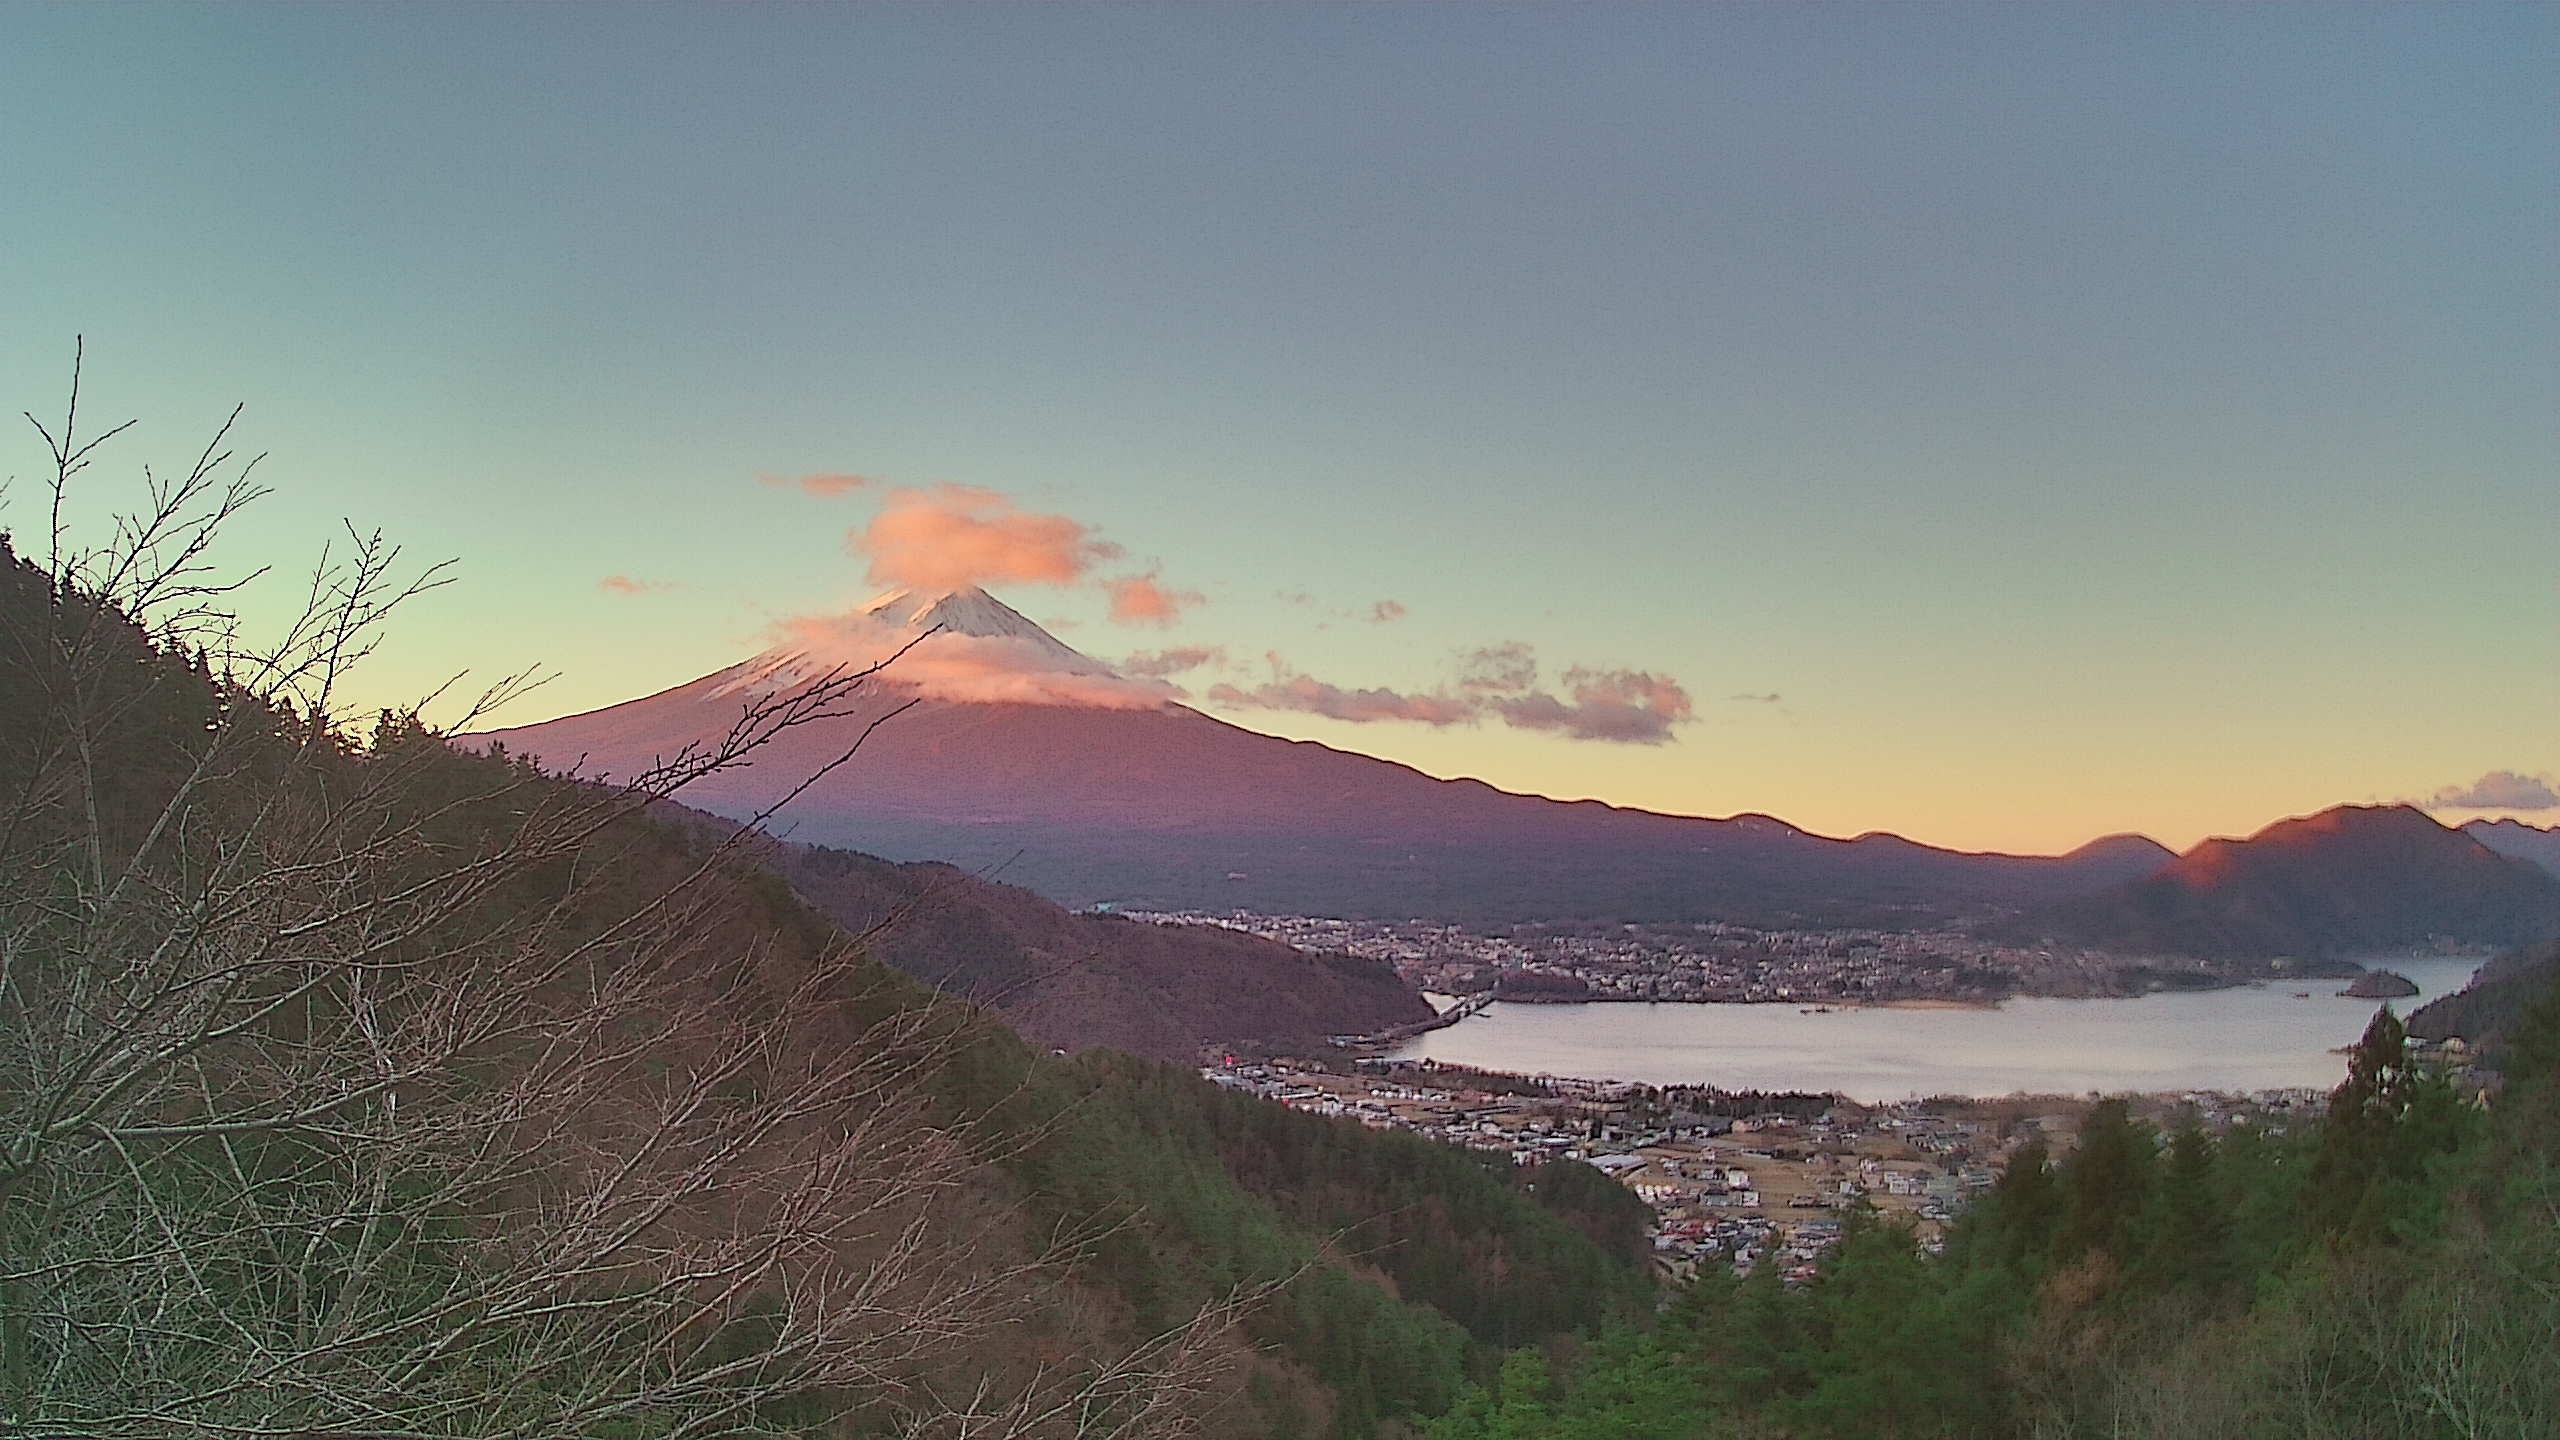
(2257, 1037)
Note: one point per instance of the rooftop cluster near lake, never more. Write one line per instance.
(1734, 1179)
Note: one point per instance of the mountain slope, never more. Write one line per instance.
(1076, 980)
(2536, 843)
(2489, 1008)
(446, 1097)
(2349, 880)
(1125, 796)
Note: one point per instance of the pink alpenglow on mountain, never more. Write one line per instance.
(967, 646)
(1022, 758)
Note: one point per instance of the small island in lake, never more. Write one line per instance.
(2382, 985)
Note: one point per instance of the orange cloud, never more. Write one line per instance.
(1139, 600)
(828, 485)
(625, 585)
(946, 536)
(1386, 610)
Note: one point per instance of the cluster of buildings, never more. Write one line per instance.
(1692, 962)
(1739, 1190)
(1726, 1189)
(1728, 1183)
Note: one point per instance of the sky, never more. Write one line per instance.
(2001, 425)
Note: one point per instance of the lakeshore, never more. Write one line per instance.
(2271, 1036)
(1731, 1179)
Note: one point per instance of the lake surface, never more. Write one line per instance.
(2256, 1037)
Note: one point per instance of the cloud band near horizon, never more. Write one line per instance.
(2498, 790)
(1617, 706)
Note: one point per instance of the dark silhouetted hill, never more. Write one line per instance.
(2536, 843)
(1072, 981)
(2484, 1012)
(2350, 880)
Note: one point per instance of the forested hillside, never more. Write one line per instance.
(1071, 980)
(2495, 1000)
(354, 1085)
(2393, 1274)
(350, 1084)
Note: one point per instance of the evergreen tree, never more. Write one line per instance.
(2025, 1209)
(2356, 1136)
(2105, 1183)
(2260, 1177)
(1757, 1353)
(1876, 1358)
(2187, 1239)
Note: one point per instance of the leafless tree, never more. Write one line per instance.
(350, 1087)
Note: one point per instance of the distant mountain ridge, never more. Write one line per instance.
(1135, 799)
(2351, 880)
(2539, 844)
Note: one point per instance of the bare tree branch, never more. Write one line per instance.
(352, 1086)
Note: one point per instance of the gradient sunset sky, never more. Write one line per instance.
(2004, 425)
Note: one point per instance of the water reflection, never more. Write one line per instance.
(2254, 1038)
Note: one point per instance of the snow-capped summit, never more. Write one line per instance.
(973, 612)
(1097, 787)
(949, 644)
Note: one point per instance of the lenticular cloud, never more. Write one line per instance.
(951, 537)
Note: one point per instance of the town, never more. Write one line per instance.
(1713, 961)
(1737, 1179)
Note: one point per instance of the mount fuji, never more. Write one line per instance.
(1022, 757)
